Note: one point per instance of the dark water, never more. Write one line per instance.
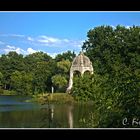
(16, 113)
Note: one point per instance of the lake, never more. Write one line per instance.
(15, 112)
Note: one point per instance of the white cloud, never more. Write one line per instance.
(77, 43)
(12, 35)
(114, 27)
(56, 42)
(16, 35)
(127, 27)
(121, 25)
(13, 48)
(51, 45)
(10, 47)
(19, 50)
(53, 55)
(30, 38)
(30, 51)
(66, 40)
(46, 39)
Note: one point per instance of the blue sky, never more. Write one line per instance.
(54, 32)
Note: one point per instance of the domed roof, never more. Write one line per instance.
(81, 60)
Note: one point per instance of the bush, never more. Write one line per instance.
(1, 91)
(53, 98)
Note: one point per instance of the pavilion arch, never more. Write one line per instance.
(87, 72)
(76, 73)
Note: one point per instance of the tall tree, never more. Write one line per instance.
(1, 76)
(21, 82)
(59, 82)
(8, 64)
(65, 56)
(31, 60)
(115, 56)
(61, 76)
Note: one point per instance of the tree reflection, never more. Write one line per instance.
(48, 117)
(70, 116)
(57, 117)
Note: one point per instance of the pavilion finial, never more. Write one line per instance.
(81, 52)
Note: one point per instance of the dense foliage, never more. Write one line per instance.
(115, 85)
(34, 73)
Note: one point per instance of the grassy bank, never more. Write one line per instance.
(7, 92)
(53, 98)
(46, 98)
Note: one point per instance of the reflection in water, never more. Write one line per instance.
(70, 116)
(51, 120)
(48, 115)
(51, 115)
(15, 113)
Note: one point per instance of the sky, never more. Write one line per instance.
(55, 32)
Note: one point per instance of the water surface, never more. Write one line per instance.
(15, 112)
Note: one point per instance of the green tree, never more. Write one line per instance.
(8, 64)
(59, 82)
(62, 74)
(63, 66)
(1, 76)
(21, 83)
(42, 77)
(65, 56)
(31, 60)
(116, 60)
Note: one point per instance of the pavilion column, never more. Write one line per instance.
(70, 81)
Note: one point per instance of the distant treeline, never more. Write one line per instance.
(34, 73)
